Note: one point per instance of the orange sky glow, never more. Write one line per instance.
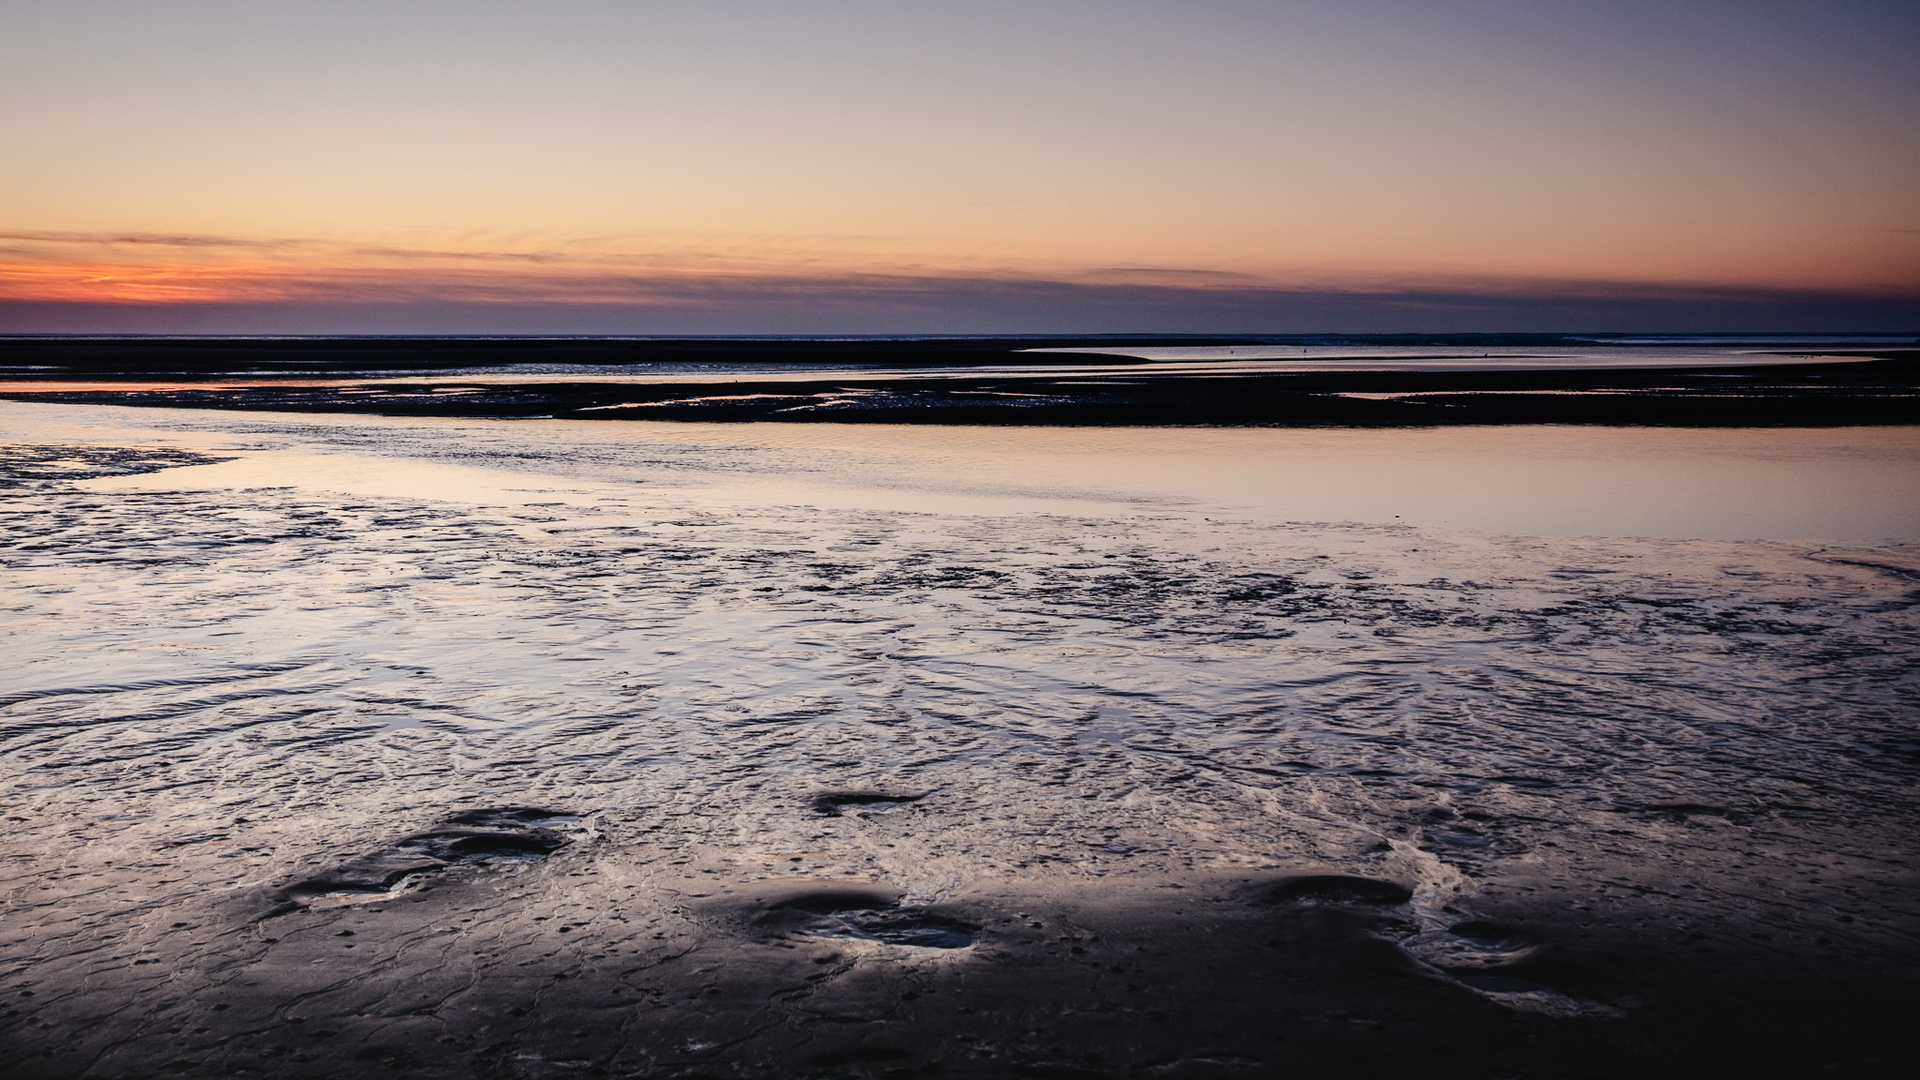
(635, 154)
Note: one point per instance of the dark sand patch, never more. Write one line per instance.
(834, 803)
(507, 835)
(1333, 889)
(572, 966)
(786, 910)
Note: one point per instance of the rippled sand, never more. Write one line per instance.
(603, 767)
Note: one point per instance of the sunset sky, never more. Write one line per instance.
(765, 167)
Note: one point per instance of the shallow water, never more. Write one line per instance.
(1670, 483)
(1129, 654)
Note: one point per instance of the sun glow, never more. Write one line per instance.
(633, 154)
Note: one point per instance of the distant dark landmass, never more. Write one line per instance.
(1391, 380)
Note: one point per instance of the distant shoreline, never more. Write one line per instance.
(1384, 381)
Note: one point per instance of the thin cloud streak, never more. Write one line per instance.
(881, 305)
(80, 282)
(177, 240)
(56, 248)
(122, 268)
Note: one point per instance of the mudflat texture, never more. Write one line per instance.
(301, 784)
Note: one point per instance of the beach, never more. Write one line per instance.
(852, 541)
(388, 746)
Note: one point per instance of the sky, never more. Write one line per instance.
(1231, 166)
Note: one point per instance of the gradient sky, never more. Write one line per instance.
(943, 167)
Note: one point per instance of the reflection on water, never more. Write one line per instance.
(1106, 652)
(1729, 484)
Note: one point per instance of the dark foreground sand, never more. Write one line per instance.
(522, 944)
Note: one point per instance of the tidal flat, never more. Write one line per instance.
(374, 746)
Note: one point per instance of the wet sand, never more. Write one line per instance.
(591, 772)
(604, 961)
